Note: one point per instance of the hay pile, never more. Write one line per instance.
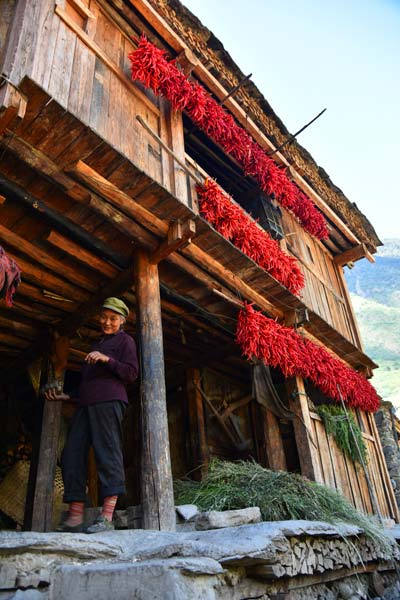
(280, 496)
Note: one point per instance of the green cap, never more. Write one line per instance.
(117, 306)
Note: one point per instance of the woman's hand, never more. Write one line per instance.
(93, 357)
(53, 394)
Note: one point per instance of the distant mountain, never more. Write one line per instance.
(375, 291)
(379, 281)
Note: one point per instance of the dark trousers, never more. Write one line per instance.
(100, 426)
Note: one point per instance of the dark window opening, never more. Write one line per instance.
(289, 446)
(261, 208)
(286, 428)
(315, 395)
(229, 176)
(214, 161)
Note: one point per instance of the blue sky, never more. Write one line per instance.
(343, 55)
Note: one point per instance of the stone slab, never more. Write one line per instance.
(187, 511)
(215, 519)
(31, 557)
(172, 579)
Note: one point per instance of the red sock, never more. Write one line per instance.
(75, 514)
(108, 507)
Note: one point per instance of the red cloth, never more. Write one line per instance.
(10, 277)
(280, 346)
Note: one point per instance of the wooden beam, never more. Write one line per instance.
(44, 165)
(145, 219)
(12, 106)
(201, 71)
(197, 438)
(46, 260)
(157, 492)
(353, 254)
(36, 295)
(112, 288)
(211, 273)
(187, 61)
(303, 429)
(80, 6)
(43, 211)
(119, 199)
(350, 308)
(47, 281)
(13, 324)
(138, 234)
(80, 254)
(273, 442)
(179, 236)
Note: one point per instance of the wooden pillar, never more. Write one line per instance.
(273, 442)
(197, 433)
(157, 492)
(39, 515)
(42, 513)
(303, 430)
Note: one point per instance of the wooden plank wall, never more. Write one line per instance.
(323, 291)
(83, 64)
(341, 473)
(223, 392)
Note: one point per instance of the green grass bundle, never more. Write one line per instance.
(345, 431)
(280, 496)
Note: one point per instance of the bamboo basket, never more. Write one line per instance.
(13, 490)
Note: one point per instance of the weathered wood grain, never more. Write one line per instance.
(61, 68)
(306, 444)
(81, 82)
(157, 492)
(200, 453)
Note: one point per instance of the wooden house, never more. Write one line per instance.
(99, 184)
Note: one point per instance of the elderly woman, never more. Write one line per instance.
(110, 365)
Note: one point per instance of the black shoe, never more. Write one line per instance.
(100, 524)
(70, 528)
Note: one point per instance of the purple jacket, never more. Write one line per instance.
(103, 382)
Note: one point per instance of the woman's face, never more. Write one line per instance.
(110, 321)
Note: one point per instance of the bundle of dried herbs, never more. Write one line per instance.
(345, 431)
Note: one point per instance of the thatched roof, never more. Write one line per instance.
(209, 49)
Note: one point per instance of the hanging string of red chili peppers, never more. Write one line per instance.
(279, 346)
(236, 225)
(150, 66)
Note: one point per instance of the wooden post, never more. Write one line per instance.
(42, 514)
(273, 442)
(42, 498)
(157, 491)
(305, 439)
(198, 440)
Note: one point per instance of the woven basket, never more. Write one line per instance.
(13, 492)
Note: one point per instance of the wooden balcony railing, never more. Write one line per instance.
(318, 294)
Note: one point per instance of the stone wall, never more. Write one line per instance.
(287, 560)
(387, 433)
